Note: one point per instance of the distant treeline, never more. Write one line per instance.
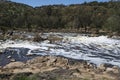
(93, 15)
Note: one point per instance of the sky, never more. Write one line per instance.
(35, 3)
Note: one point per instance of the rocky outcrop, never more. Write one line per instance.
(14, 65)
(62, 68)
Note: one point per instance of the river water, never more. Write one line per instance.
(96, 50)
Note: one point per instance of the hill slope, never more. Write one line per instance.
(93, 16)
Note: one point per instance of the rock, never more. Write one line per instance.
(9, 57)
(117, 71)
(53, 39)
(38, 60)
(57, 66)
(112, 72)
(115, 67)
(88, 70)
(102, 67)
(76, 74)
(93, 35)
(85, 64)
(61, 61)
(51, 61)
(38, 38)
(109, 69)
(91, 65)
(12, 60)
(13, 65)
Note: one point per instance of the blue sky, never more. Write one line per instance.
(51, 2)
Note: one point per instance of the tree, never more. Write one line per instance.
(113, 24)
(4, 0)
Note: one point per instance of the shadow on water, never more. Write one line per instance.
(14, 54)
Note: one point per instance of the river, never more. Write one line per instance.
(96, 50)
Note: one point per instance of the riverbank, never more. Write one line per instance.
(58, 68)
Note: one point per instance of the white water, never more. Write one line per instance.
(94, 49)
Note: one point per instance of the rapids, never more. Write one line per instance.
(96, 50)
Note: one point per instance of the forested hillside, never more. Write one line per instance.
(95, 15)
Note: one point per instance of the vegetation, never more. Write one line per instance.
(23, 77)
(85, 17)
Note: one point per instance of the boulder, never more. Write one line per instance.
(38, 60)
(61, 61)
(51, 61)
(77, 74)
(13, 65)
(102, 67)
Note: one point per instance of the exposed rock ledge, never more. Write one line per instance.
(59, 68)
